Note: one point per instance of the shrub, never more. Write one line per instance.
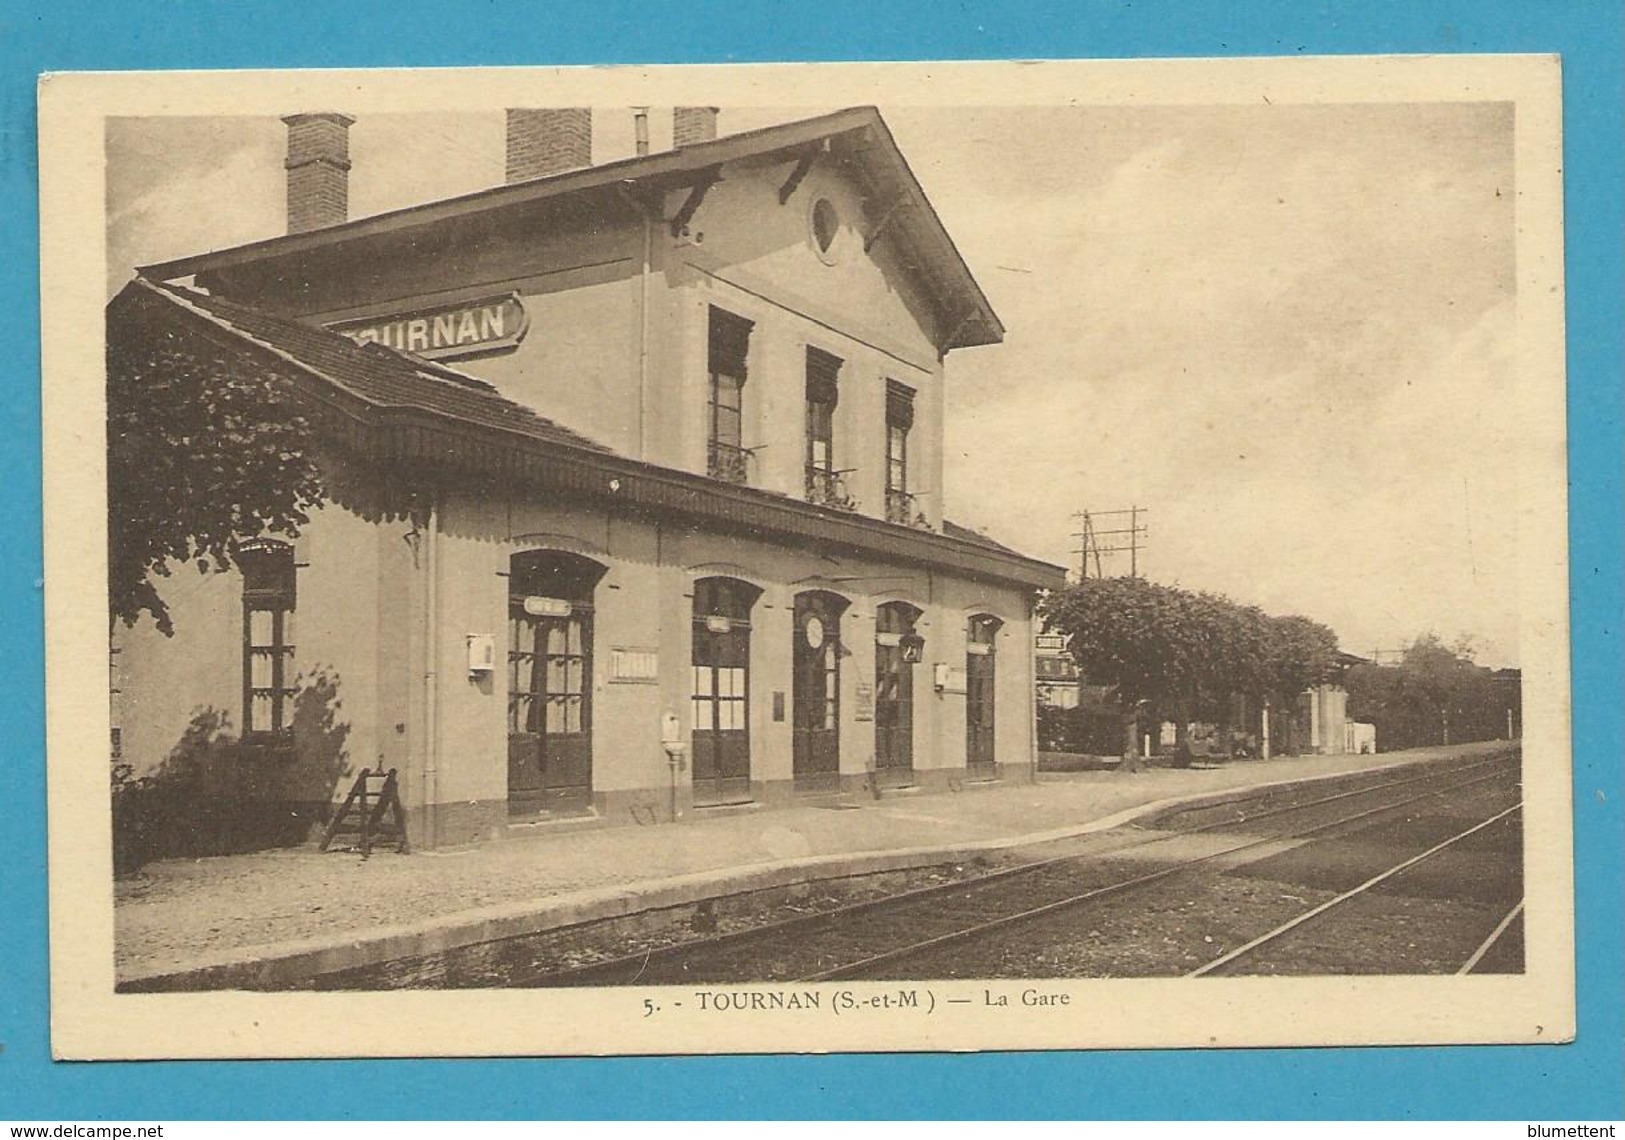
(216, 794)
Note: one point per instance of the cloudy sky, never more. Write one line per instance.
(1285, 330)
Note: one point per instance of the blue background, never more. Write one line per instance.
(1583, 1080)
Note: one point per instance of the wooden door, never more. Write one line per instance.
(816, 691)
(550, 614)
(721, 711)
(549, 710)
(980, 687)
(894, 693)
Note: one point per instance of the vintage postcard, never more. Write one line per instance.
(931, 556)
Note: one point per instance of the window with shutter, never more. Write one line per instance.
(726, 456)
(900, 507)
(824, 483)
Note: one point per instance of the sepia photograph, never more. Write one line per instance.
(806, 557)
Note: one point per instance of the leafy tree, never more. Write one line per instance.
(1435, 695)
(205, 447)
(1301, 653)
(1186, 653)
(1128, 633)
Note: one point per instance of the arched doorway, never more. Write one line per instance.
(980, 687)
(720, 701)
(550, 606)
(816, 691)
(897, 648)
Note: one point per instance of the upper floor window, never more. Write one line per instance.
(899, 420)
(824, 483)
(269, 600)
(726, 457)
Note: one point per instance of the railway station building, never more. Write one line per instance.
(632, 477)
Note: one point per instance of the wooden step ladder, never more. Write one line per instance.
(363, 814)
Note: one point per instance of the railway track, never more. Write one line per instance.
(853, 940)
(892, 961)
(1496, 938)
(1225, 962)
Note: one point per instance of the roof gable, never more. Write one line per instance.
(859, 136)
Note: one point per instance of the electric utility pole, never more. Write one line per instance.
(1119, 540)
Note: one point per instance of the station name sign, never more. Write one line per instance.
(446, 332)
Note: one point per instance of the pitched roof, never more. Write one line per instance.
(860, 132)
(375, 373)
(436, 419)
(966, 534)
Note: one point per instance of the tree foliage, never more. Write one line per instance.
(1300, 653)
(1178, 648)
(1436, 694)
(218, 794)
(204, 448)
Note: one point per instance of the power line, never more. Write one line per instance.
(1090, 536)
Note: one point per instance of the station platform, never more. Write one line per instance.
(266, 919)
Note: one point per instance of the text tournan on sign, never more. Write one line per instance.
(466, 329)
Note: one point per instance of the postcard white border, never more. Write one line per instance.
(89, 1020)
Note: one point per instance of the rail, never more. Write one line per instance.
(727, 462)
(1488, 944)
(647, 963)
(827, 488)
(857, 969)
(1247, 948)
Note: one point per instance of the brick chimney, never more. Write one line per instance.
(548, 140)
(318, 167)
(693, 124)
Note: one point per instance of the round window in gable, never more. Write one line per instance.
(826, 222)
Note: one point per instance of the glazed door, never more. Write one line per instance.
(894, 714)
(979, 699)
(979, 689)
(815, 696)
(894, 693)
(549, 711)
(721, 710)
